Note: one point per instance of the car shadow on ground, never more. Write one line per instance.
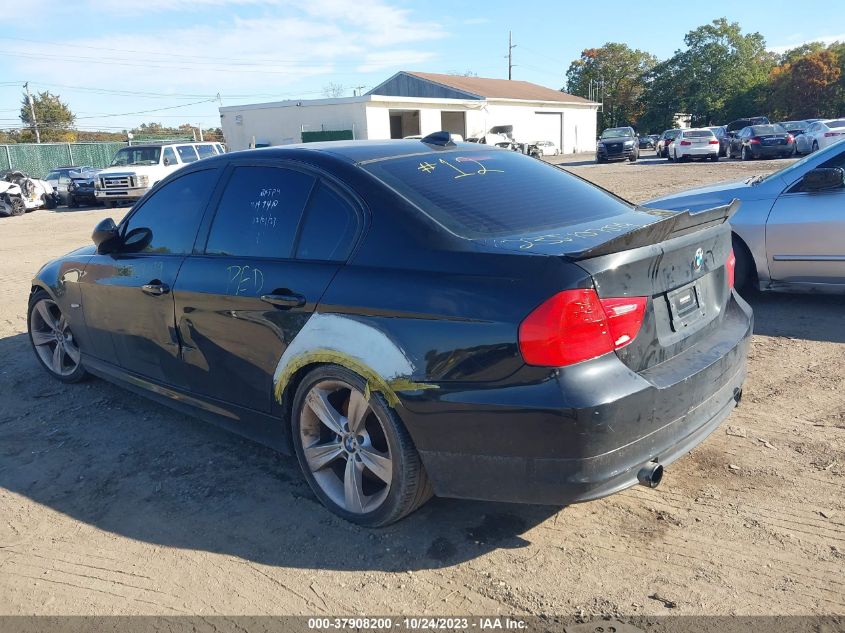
(126, 465)
(813, 317)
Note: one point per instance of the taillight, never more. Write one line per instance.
(828, 134)
(789, 139)
(755, 140)
(686, 143)
(713, 142)
(730, 268)
(575, 325)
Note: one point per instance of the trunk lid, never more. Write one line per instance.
(678, 261)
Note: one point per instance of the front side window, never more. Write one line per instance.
(187, 153)
(173, 213)
(259, 212)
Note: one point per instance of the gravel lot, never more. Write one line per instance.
(111, 504)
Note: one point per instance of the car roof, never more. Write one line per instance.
(358, 151)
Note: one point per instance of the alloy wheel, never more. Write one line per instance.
(345, 446)
(53, 341)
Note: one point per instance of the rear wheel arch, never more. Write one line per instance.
(747, 276)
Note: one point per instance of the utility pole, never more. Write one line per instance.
(32, 112)
(199, 127)
(511, 46)
(356, 89)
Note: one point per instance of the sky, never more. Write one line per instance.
(118, 63)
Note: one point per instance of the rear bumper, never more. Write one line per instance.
(770, 151)
(704, 151)
(585, 432)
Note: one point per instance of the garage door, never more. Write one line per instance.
(548, 126)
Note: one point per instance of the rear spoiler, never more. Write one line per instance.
(674, 224)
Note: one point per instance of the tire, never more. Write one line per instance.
(52, 340)
(18, 206)
(744, 154)
(379, 457)
(745, 277)
(715, 157)
(815, 147)
(49, 201)
(633, 158)
(71, 202)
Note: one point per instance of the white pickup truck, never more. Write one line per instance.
(134, 170)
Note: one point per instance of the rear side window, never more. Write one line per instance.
(173, 213)
(329, 228)
(187, 153)
(205, 151)
(259, 212)
(479, 194)
(834, 124)
(170, 156)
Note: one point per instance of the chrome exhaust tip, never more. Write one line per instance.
(650, 475)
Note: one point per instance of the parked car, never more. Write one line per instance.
(721, 134)
(794, 127)
(136, 169)
(654, 138)
(695, 143)
(547, 148)
(820, 134)
(81, 188)
(617, 143)
(665, 141)
(646, 142)
(21, 193)
(787, 234)
(412, 317)
(734, 127)
(762, 141)
(59, 178)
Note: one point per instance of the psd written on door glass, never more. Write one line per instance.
(259, 212)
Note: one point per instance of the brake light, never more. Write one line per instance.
(575, 325)
(828, 134)
(713, 142)
(755, 140)
(730, 268)
(686, 143)
(789, 139)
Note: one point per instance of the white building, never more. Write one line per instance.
(412, 103)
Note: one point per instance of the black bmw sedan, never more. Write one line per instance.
(411, 318)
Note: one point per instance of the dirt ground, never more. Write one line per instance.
(111, 504)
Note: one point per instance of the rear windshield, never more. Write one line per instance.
(698, 134)
(839, 123)
(495, 193)
(758, 130)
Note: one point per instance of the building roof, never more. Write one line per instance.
(500, 88)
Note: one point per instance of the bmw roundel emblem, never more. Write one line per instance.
(698, 260)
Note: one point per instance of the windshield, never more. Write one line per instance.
(788, 173)
(615, 132)
(761, 130)
(136, 156)
(478, 194)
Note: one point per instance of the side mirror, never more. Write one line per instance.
(106, 236)
(823, 178)
(166, 162)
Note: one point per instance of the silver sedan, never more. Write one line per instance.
(789, 232)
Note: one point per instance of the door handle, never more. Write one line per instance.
(155, 289)
(284, 301)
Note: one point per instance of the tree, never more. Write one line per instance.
(333, 90)
(53, 117)
(806, 87)
(719, 64)
(618, 71)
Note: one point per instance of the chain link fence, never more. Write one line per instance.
(38, 159)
